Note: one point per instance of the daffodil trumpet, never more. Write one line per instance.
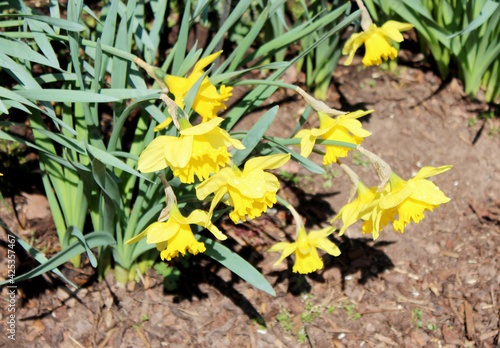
(307, 259)
(249, 191)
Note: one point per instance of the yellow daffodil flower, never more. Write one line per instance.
(307, 259)
(344, 128)
(377, 42)
(175, 236)
(411, 198)
(200, 150)
(250, 191)
(366, 207)
(208, 101)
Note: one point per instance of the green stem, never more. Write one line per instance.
(265, 82)
(318, 141)
(295, 214)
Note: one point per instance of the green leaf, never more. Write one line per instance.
(94, 239)
(111, 160)
(488, 9)
(75, 231)
(193, 91)
(235, 15)
(56, 22)
(106, 182)
(36, 254)
(127, 93)
(181, 44)
(63, 95)
(22, 51)
(255, 135)
(236, 264)
(308, 164)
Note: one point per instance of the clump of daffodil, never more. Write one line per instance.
(174, 236)
(199, 150)
(366, 207)
(307, 259)
(250, 191)
(207, 101)
(411, 198)
(377, 41)
(345, 128)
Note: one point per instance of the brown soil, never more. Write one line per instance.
(438, 285)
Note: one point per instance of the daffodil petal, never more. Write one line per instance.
(204, 62)
(393, 29)
(392, 200)
(203, 128)
(286, 248)
(179, 151)
(266, 162)
(163, 125)
(138, 237)
(426, 172)
(152, 158)
(214, 183)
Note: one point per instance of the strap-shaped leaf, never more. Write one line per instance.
(236, 264)
(63, 95)
(36, 254)
(22, 51)
(255, 135)
(94, 239)
(182, 38)
(56, 22)
(75, 231)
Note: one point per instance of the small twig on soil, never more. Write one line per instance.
(76, 342)
(454, 310)
(470, 329)
(309, 339)
(142, 336)
(109, 335)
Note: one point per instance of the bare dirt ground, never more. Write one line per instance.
(436, 285)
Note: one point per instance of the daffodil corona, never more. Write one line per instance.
(250, 191)
(345, 128)
(401, 202)
(207, 101)
(307, 259)
(411, 198)
(366, 207)
(377, 41)
(200, 150)
(175, 236)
